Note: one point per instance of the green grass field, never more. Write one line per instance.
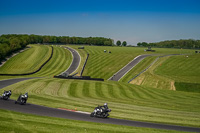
(181, 68)
(60, 61)
(138, 68)
(149, 99)
(175, 72)
(18, 122)
(104, 65)
(127, 101)
(27, 61)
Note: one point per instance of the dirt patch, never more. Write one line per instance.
(138, 80)
(172, 86)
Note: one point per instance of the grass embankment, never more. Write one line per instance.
(104, 65)
(184, 70)
(18, 122)
(27, 61)
(138, 68)
(126, 101)
(60, 61)
(175, 72)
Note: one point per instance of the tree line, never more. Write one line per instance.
(14, 42)
(118, 43)
(187, 44)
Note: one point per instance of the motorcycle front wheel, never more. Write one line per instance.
(92, 114)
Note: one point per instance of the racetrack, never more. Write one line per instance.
(75, 62)
(117, 76)
(4, 83)
(52, 112)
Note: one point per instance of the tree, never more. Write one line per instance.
(144, 44)
(124, 43)
(118, 43)
(139, 44)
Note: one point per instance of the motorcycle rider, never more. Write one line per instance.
(6, 94)
(101, 108)
(24, 96)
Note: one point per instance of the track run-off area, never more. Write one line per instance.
(53, 112)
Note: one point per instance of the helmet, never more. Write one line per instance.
(105, 104)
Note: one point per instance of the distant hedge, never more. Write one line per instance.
(13, 42)
(189, 44)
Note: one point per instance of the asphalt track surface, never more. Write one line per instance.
(75, 62)
(117, 76)
(4, 83)
(53, 112)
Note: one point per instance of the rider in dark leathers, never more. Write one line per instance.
(104, 108)
(6, 94)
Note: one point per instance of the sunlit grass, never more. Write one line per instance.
(127, 101)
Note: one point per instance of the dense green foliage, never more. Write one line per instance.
(118, 43)
(190, 43)
(13, 42)
(127, 101)
(124, 43)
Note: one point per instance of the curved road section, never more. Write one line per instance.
(52, 112)
(75, 62)
(117, 76)
(4, 83)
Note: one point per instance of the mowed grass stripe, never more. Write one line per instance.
(27, 61)
(138, 68)
(181, 68)
(20, 122)
(98, 90)
(57, 62)
(60, 61)
(85, 90)
(143, 105)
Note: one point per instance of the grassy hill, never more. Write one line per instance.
(19, 122)
(175, 72)
(59, 62)
(104, 65)
(27, 61)
(127, 101)
(140, 102)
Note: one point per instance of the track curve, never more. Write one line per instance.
(117, 76)
(52, 112)
(75, 62)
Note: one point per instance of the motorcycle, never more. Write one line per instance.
(22, 99)
(101, 112)
(6, 95)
